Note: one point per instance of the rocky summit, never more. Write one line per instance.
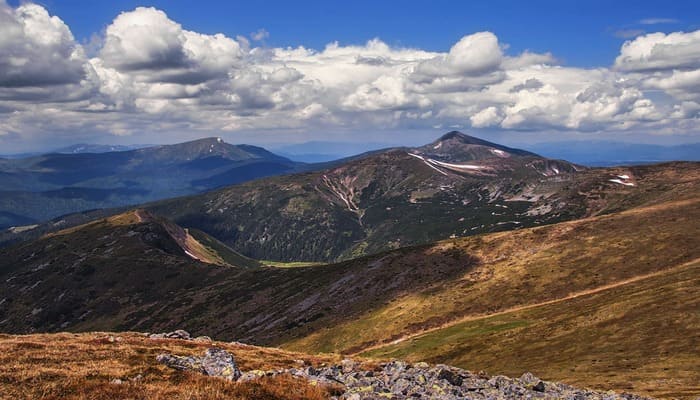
(394, 380)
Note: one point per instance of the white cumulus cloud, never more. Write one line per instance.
(149, 74)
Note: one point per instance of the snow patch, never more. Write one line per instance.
(219, 140)
(625, 177)
(192, 255)
(437, 146)
(458, 166)
(621, 182)
(427, 163)
(20, 229)
(499, 152)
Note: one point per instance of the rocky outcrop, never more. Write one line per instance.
(179, 334)
(397, 380)
(215, 362)
(400, 380)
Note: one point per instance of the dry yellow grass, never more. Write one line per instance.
(595, 302)
(81, 367)
(526, 267)
(642, 336)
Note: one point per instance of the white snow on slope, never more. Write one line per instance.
(499, 152)
(623, 176)
(192, 255)
(621, 182)
(426, 163)
(458, 166)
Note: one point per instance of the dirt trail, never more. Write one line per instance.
(571, 296)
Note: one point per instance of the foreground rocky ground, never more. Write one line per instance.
(399, 380)
(355, 380)
(177, 366)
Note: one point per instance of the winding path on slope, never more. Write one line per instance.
(571, 296)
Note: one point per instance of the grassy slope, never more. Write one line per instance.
(126, 274)
(352, 305)
(81, 366)
(524, 267)
(215, 252)
(642, 336)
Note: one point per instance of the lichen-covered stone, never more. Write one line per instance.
(215, 362)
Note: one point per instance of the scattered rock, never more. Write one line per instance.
(218, 362)
(539, 387)
(215, 362)
(395, 380)
(450, 376)
(182, 363)
(399, 380)
(178, 334)
(116, 381)
(113, 339)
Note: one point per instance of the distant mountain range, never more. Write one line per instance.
(38, 188)
(98, 148)
(588, 153)
(456, 186)
(601, 153)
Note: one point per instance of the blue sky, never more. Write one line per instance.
(263, 73)
(580, 33)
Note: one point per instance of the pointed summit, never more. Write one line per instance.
(457, 146)
(453, 135)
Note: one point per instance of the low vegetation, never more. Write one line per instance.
(94, 366)
(640, 336)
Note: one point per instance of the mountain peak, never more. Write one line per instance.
(463, 138)
(456, 146)
(453, 135)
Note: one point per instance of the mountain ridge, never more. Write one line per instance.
(403, 196)
(42, 187)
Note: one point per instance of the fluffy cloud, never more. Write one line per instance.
(475, 54)
(37, 49)
(660, 51)
(489, 116)
(151, 74)
(665, 62)
(147, 40)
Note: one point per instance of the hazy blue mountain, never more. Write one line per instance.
(323, 151)
(41, 187)
(601, 153)
(98, 148)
